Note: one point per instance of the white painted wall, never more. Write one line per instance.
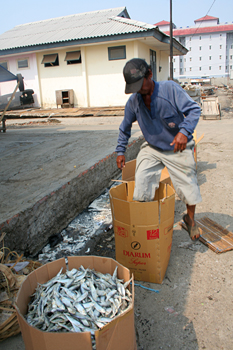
(206, 23)
(105, 77)
(30, 75)
(96, 81)
(60, 77)
(218, 54)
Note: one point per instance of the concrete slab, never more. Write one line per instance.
(51, 170)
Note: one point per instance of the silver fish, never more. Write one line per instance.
(80, 300)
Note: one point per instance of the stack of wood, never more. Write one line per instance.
(13, 271)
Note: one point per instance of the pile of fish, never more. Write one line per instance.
(80, 300)
(95, 219)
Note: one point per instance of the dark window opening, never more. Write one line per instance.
(73, 57)
(50, 60)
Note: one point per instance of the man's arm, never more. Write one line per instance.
(187, 106)
(124, 134)
(191, 110)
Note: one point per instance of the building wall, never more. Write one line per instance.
(61, 77)
(206, 23)
(96, 81)
(207, 57)
(163, 61)
(30, 75)
(105, 77)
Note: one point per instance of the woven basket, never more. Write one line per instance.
(10, 282)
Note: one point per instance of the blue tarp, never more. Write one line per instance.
(5, 75)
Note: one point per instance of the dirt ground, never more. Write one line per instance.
(194, 307)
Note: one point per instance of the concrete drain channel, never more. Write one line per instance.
(81, 232)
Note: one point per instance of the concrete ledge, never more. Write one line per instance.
(28, 231)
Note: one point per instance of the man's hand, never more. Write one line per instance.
(180, 141)
(120, 162)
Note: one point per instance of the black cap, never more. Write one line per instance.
(134, 72)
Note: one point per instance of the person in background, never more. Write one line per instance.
(167, 117)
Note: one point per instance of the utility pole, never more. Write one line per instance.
(171, 43)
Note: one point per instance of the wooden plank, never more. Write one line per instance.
(213, 235)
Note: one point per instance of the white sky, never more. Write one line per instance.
(184, 12)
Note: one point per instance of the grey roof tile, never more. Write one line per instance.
(74, 27)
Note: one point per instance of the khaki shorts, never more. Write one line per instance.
(180, 165)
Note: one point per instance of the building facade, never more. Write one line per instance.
(83, 55)
(210, 46)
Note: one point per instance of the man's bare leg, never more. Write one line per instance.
(190, 218)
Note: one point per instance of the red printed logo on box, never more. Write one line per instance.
(121, 231)
(152, 234)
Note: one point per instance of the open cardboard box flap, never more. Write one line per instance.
(128, 172)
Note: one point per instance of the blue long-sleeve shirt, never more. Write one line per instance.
(169, 104)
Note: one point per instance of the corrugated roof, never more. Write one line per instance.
(75, 27)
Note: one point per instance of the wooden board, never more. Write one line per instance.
(210, 108)
(214, 236)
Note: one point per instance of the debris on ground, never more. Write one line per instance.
(13, 271)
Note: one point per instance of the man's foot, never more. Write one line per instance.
(192, 228)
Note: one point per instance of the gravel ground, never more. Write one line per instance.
(194, 307)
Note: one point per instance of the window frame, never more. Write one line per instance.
(21, 60)
(54, 63)
(112, 48)
(73, 60)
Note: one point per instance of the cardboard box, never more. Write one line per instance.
(128, 173)
(143, 230)
(118, 334)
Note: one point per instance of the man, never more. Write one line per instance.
(159, 108)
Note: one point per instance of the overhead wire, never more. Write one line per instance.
(203, 20)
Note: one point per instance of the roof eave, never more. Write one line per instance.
(166, 39)
(157, 34)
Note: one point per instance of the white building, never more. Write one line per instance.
(210, 46)
(79, 58)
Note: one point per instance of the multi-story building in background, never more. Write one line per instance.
(210, 46)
